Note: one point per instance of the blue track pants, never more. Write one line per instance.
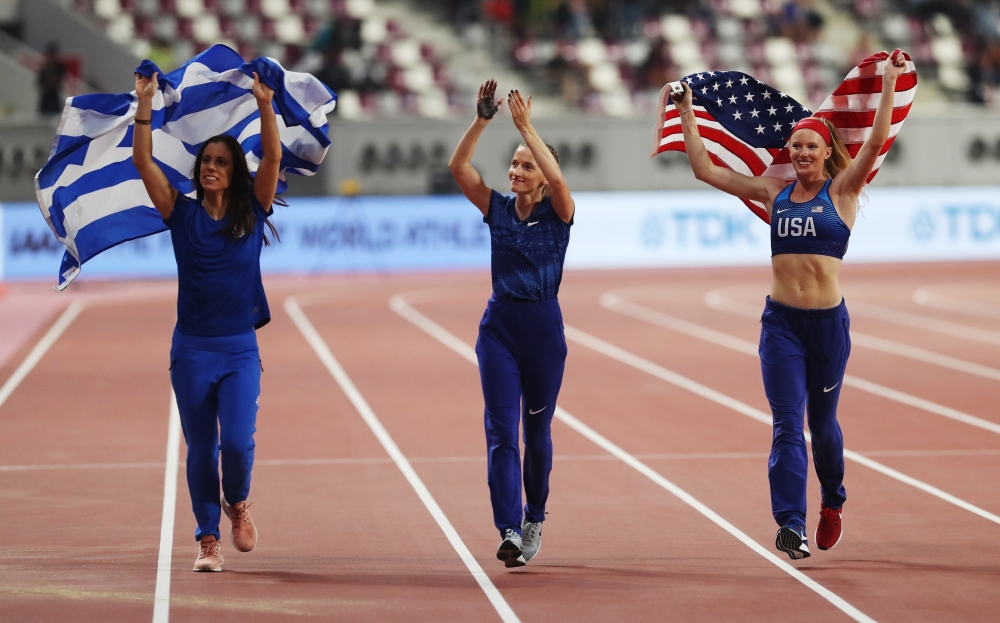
(803, 356)
(217, 383)
(522, 355)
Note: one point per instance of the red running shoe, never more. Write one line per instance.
(829, 530)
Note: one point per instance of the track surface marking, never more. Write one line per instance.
(399, 305)
(82, 469)
(326, 356)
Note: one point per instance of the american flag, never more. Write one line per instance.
(746, 124)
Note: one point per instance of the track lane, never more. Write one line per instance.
(404, 309)
(685, 355)
(341, 532)
(884, 423)
(82, 544)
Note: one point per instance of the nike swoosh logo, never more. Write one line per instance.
(530, 412)
(535, 223)
(830, 389)
(785, 210)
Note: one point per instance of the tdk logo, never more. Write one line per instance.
(796, 227)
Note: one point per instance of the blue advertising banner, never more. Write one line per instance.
(612, 230)
(361, 234)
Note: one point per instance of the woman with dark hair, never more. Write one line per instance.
(215, 366)
(805, 329)
(521, 346)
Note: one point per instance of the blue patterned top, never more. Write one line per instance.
(812, 228)
(527, 256)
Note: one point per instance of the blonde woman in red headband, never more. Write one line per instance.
(804, 338)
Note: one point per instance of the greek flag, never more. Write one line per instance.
(89, 191)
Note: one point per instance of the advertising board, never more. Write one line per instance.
(612, 230)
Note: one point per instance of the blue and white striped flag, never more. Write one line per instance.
(90, 192)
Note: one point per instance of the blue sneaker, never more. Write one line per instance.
(792, 540)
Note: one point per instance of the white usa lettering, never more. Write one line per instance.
(796, 227)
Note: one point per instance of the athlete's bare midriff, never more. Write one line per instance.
(806, 281)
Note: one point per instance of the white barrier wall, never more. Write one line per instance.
(612, 230)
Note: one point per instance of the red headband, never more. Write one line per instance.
(817, 126)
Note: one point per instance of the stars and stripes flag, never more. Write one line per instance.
(91, 194)
(746, 124)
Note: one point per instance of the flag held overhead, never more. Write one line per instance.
(746, 124)
(89, 191)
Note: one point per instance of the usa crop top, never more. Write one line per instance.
(812, 227)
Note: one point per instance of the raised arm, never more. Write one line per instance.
(157, 186)
(460, 165)
(763, 189)
(851, 181)
(265, 184)
(520, 112)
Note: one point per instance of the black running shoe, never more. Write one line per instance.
(792, 540)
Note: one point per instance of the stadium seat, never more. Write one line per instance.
(107, 9)
(147, 8)
(676, 28)
(745, 9)
(359, 9)
(406, 53)
(419, 78)
(591, 51)
(289, 30)
(121, 29)
(275, 9)
(206, 29)
(373, 30)
(189, 9)
(232, 8)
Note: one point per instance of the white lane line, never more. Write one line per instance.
(926, 298)
(716, 300)
(387, 460)
(368, 415)
(630, 359)
(710, 335)
(161, 599)
(43, 345)
(401, 307)
(925, 323)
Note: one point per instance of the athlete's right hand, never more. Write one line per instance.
(145, 88)
(683, 102)
(486, 105)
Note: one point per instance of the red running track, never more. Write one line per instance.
(344, 535)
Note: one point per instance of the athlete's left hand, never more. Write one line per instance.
(896, 66)
(520, 109)
(261, 92)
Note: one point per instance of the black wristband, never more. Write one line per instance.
(144, 121)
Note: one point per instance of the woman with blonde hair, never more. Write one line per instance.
(521, 346)
(804, 339)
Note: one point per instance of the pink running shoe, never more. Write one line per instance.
(209, 556)
(829, 529)
(243, 535)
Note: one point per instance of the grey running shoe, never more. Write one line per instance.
(792, 540)
(510, 550)
(532, 539)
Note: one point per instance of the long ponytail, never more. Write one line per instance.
(840, 159)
